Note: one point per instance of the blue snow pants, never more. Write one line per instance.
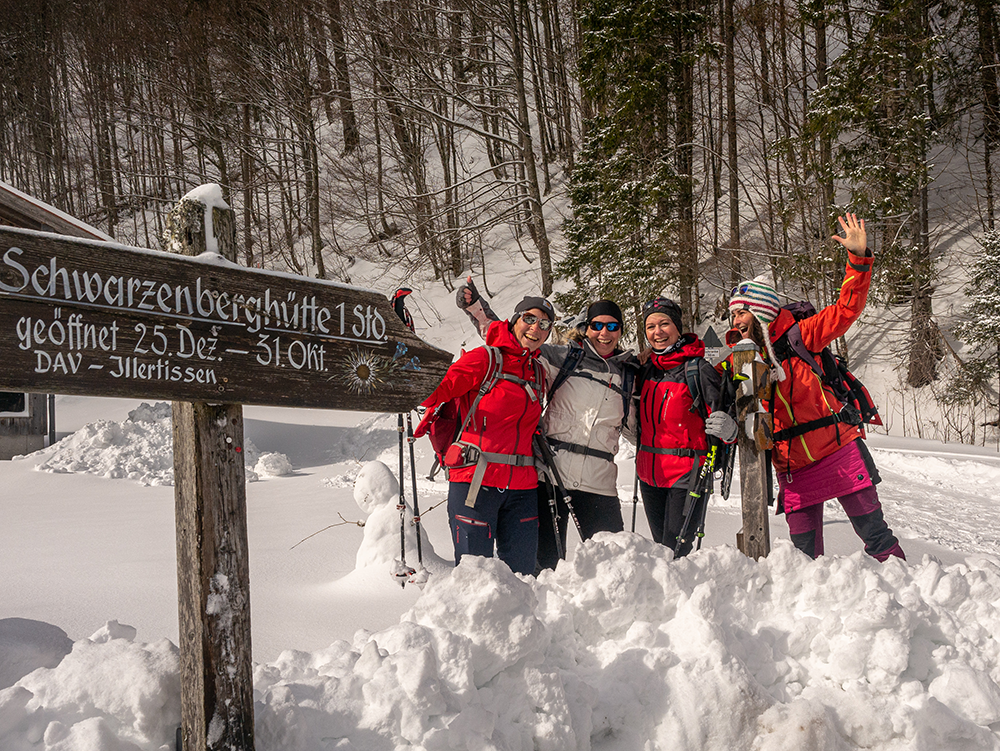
(508, 517)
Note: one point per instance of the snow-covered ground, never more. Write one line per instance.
(619, 648)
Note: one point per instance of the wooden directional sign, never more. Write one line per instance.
(86, 317)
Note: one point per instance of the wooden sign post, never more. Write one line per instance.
(754, 539)
(93, 318)
(210, 511)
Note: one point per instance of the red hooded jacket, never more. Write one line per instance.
(668, 419)
(506, 417)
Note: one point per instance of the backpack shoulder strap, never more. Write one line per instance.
(630, 375)
(692, 376)
(790, 343)
(494, 368)
(569, 363)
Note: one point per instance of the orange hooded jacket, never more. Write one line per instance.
(802, 396)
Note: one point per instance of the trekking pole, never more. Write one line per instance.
(536, 440)
(635, 488)
(413, 473)
(696, 502)
(402, 572)
(729, 381)
(550, 462)
(700, 532)
(635, 481)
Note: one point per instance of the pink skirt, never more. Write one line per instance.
(841, 473)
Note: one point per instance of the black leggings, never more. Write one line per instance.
(596, 513)
(665, 513)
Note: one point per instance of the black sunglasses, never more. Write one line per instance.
(543, 323)
(599, 325)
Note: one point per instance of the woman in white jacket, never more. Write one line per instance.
(583, 421)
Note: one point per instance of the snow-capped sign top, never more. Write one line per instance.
(102, 319)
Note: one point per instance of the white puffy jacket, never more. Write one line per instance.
(585, 413)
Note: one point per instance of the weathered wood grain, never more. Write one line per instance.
(82, 317)
(754, 539)
(213, 577)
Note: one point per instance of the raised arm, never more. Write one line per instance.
(468, 299)
(834, 320)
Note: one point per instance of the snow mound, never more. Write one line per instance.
(140, 448)
(108, 695)
(619, 648)
(375, 486)
(273, 465)
(26, 645)
(376, 492)
(622, 648)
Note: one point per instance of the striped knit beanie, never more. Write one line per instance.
(761, 299)
(758, 297)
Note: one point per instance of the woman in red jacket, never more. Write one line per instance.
(492, 490)
(671, 430)
(817, 455)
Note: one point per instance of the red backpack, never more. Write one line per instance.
(445, 423)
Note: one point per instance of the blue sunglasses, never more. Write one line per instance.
(599, 325)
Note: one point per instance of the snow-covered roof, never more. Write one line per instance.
(19, 209)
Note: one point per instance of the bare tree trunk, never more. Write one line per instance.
(825, 145)
(684, 134)
(540, 235)
(925, 347)
(989, 66)
(729, 41)
(352, 137)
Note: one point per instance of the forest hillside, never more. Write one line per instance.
(623, 148)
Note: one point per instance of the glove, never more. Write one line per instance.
(722, 426)
(466, 294)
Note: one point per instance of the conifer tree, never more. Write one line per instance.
(981, 327)
(631, 234)
(879, 107)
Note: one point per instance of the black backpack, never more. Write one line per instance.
(832, 371)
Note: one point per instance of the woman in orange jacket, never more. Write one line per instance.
(818, 451)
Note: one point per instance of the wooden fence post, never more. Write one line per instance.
(213, 573)
(754, 539)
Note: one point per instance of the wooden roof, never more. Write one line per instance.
(18, 209)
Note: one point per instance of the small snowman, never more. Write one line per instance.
(376, 492)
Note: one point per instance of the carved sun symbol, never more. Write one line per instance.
(362, 371)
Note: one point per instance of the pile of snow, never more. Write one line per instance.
(272, 464)
(140, 448)
(620, 648)
(107, 694)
